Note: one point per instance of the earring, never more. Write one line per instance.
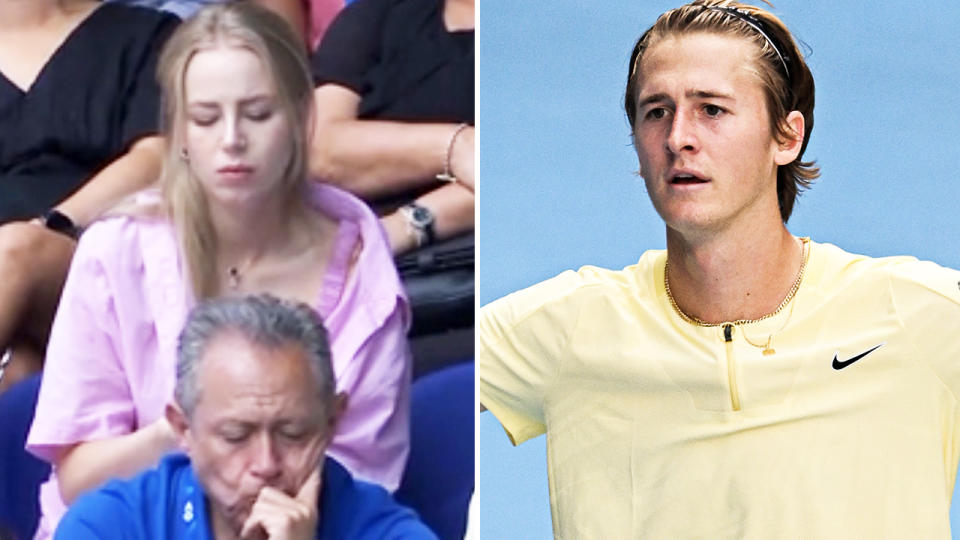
(183, 154)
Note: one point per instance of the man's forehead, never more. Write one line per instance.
(699, 62)
(233, 364)
(230, 342)
(706, 46)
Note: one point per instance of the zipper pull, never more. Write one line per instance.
(728, 333)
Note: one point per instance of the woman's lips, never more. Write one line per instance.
(235, 172)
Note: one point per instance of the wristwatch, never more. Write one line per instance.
(420, 222)
(56, 220)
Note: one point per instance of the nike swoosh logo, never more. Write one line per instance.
(838, 365)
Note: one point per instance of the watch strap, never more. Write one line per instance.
(57, 221)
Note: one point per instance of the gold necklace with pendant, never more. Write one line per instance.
(766, 348)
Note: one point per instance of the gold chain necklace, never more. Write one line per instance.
(767, 350)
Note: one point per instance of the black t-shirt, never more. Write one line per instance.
(96, 95)
(400, 58)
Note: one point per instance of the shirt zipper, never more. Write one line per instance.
(731, 371)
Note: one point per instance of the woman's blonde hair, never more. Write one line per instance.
(232, 24)
(786, 79)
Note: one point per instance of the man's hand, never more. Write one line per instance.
(283, 517)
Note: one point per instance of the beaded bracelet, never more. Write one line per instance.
(447, 174)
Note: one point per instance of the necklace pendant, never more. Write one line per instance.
(233, 277)
(769, 351)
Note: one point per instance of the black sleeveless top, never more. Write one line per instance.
(96, 95)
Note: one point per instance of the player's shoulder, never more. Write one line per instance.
(903, 275)
(572, 288)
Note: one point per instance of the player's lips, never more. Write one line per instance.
(686, 177)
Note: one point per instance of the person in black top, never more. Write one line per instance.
(394, 88)
(395, 116)
(79, 108)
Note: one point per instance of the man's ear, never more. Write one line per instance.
(178, 422)
(788, 150)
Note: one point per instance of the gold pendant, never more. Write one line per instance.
(767, 349)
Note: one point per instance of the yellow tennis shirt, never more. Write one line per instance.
(657, 428)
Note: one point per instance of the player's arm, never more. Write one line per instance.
(521, 342)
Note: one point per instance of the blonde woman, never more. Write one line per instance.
(235, 215)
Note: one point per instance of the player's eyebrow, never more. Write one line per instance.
(700, 94)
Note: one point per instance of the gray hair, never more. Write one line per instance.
(263, 320)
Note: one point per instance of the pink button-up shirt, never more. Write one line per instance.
(111, 360)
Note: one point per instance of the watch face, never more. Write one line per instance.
(421, 216)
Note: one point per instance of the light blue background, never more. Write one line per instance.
(557, 188)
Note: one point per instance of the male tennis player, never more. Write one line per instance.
(744, 383)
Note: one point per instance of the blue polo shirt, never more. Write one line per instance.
(168, 502)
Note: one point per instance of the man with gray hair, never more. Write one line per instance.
(254, 410)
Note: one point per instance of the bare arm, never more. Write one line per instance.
(129, 173)
(452, 208)
(88, 465)
(372, 158)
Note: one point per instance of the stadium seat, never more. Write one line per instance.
(20, 472)
(438, 480)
